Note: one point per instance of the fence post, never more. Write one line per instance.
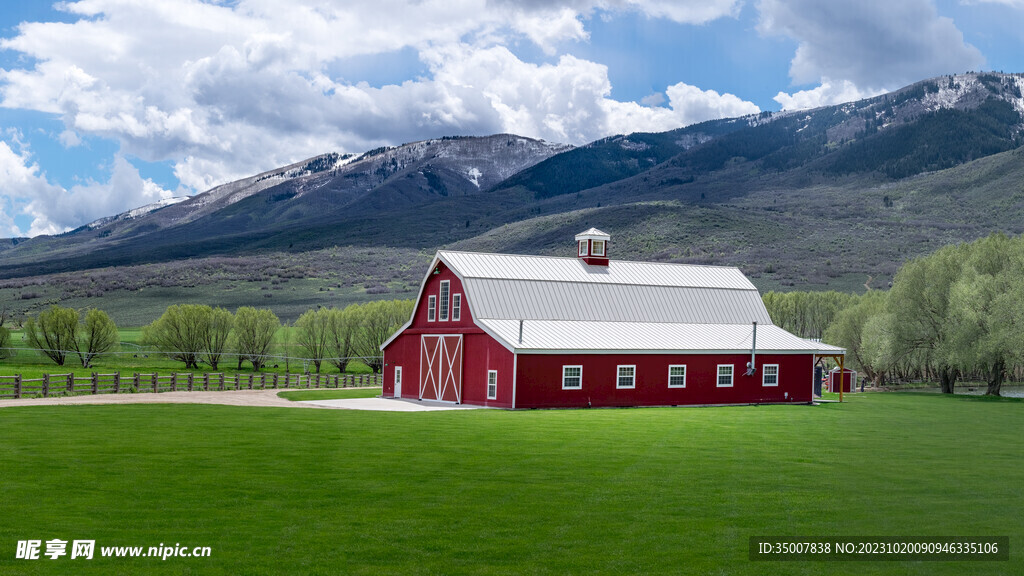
(189, 381)
(46, 387)
(17, 385)
(206, 381)
(135, 381)
(174, 381)
(71, 383)
(95, 383)
(117, 382)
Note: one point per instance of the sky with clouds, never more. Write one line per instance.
(107, 105)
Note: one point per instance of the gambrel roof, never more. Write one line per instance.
(566, 305)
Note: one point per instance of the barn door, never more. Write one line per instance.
(441, 368)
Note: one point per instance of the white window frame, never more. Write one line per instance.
(580, 376)
(432, 308)
(718, 373)
(583, 247)
(670, 384)
(456, 307)
(444, 301)
(597, 248)
(492, 384)
(764, 374)
(631, 368)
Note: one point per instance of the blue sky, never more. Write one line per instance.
(106, 105)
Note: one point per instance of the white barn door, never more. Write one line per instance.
(441, 368)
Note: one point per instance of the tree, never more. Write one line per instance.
(6, 350)
(215, 332)
(180, 333)
(54, 334)
(380, 320)
(254, 334)
(343, 328)
(312, 334)
(96, 336)
(919, 302)
(859, 326)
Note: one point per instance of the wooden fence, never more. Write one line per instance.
(116, 383)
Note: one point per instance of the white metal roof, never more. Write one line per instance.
(550, 268)
(593, 233)
(545, 300)
(559, 336)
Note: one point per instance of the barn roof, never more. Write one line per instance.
(558, 336)
(505, 286)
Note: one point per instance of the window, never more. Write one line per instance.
(431, 308)
(770, 375)
(583, 247)
(598, 248)
(456, 306)
(677, 376)
(572, 377)
(626, 377)
(492, 384)
(725, 375)
(445, 289)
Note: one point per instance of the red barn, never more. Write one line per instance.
(516, 331)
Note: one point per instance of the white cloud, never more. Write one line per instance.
(875, 45)
(224, 90)
(827, 94)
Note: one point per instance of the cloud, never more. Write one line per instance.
(874, 44)
(827, 94)
(225, 90)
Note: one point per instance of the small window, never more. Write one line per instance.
(626, 377)
(725, 375)
(456, 307)
(677, 376)
(431, 308)
(492, 384)
(598, 248)
(445, 289)
(572, 377)
(583, 247)
(770, 375)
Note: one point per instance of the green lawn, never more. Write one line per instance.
(330, 394)
(630, 491)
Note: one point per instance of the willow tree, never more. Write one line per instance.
(254, 335)
(54, 333)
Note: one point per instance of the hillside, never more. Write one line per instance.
(835, 197)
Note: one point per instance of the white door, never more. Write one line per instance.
(398, 381)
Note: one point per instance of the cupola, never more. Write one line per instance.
(592, 247)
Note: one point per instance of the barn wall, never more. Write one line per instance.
(483, 353)
(539, 380)
(433, 288)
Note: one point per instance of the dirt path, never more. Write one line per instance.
(230, 398)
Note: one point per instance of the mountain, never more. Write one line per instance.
(835, 197)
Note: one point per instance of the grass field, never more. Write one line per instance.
(296, 395)
(630, 491)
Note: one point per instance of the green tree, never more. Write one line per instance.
(215, 332)
(6, 350)
(344, 327)
(54, 334)
(180, 333)
(858, 328)
(312, 332)
(920, 302)
(379, 321)
(254, 334)
(97, 335)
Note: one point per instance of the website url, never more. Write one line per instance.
(161, 551)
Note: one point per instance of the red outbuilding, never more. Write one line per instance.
(516, 331)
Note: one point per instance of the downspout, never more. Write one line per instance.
(752, 366)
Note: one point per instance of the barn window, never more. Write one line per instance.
(725, 375)
(677, 376)
(626, 377)
(770, 375)
(598, 249)
(431, 308)
(492, 384)
(445, 289)
(456, 307)
(572, 377)
(583, 247)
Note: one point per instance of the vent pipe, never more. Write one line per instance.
(751, 366)
(520, 331)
